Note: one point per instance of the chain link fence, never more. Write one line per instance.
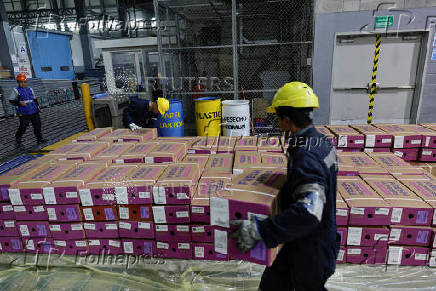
(234, 50)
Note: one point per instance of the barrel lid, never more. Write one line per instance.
(235, 102)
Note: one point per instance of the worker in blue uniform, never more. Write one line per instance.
(27, 108)
(305, 224)
(140, 113)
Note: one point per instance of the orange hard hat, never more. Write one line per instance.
(21, 77)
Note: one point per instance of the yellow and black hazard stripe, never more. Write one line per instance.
(374, 78)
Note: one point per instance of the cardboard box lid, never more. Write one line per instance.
(358, 161)
(46, 173)
(214, 173)
(342, 130)
(424, 189)
(65, 149)
(246, 142)
(246, 159)
(100, 131)
(220, 162)
(389, 161)
(205, 142)
(168, 148)
(114, 150)
(278, 159)
(406, 177)
(271, 142)
(393, 128)
(355, 189)
(324, 130)
(226, 142)
(367, 129)
(376, 177)
(22, 171)
(145, 173)
(113, 174)
(408, 203)
(217, 187)
(406, 170)
(393, 190)
(349, 178)
(82, 172)
(268, 181)
(181, 172)
(199, 201)
(367, 202)
(90, 148)
(201, 160)
(139, 149)
(373, 171)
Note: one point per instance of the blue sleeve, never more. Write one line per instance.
(137, 108)
(295, 221)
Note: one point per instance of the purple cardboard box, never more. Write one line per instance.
(200, 210)
(64, 213)
(32, 229)
(136, 229)
(26, 196)
(204, 233)
(101, 229)
(260, 254)
(175, 250)
(8, 228)
(30, 212)
(105, 195)
(366, 255)
(206, 251)
(408, 155)
(171, 214)
(71, 247)
(139, 247)
(7, 211)
(41, 245)
(105, 246)
(67, 231)
(408, 256)
(410, 235)
(172, 232)
(427, 155)
(11, 245)
(368, 236)
(61, 194)
(343, 233)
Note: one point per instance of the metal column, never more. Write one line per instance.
(161, 65)
(235, 51)
(6, 47)
(84, 33)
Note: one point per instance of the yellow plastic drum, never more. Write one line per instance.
(208, 116)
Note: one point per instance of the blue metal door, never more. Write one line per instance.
(51, 55)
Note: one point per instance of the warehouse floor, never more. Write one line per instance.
(18, 271)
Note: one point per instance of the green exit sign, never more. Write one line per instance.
(384, 21)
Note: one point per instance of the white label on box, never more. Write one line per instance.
(434, 218)
(197, 229)
(382, 211)
(121, 194)
(182, 214)
(161, 245)
(161, 227)
(342, 141)
(380, 237)
(125, 225)
(359, 141)
(356, 210)
(124, 212)
(60, 243)
(354, 236)
(51, 213)
(108, 197)
(159, 214)
(159, 195)
(80, 243)
(260, 217)
(184, 228)
(220, 241)
(399, 154)
(149, 160)
(341, 212)
(341, 255)
(421, 257)
(38, 208)
(395, 234)
(237, 171)
(90, 226)
(24, 230)
(119, 161)
(398, 141)
(71, 194)
(434, 244)
(387, 140)
(213, 152)
(49, 195)
(1, 248)
(35, 196)
(426, 153)
(30, 245)
(120, 140)
(55, 227)
(85, 197)
(432, 262)
(394, 255)
(370, 141)
(198, 210)
(14, 196)
(427, 141)
(87, 212)
(76, 227)
(368, 150)
(191, 151)
(219, 212)
(144, 225)
(7, 208)
(9, 223)
(111, 226)
(396, 214)
(182, 196)
(416, 141)
(183, 246)
(114, 243)
(94, 242)
(144, 195)
(19, 208)
(199, 252)
(128, 247)
(354, 251)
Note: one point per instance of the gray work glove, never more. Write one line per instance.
(247, 235)
(134, 127)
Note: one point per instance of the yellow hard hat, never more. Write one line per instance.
(294, 94)
(163, 105)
